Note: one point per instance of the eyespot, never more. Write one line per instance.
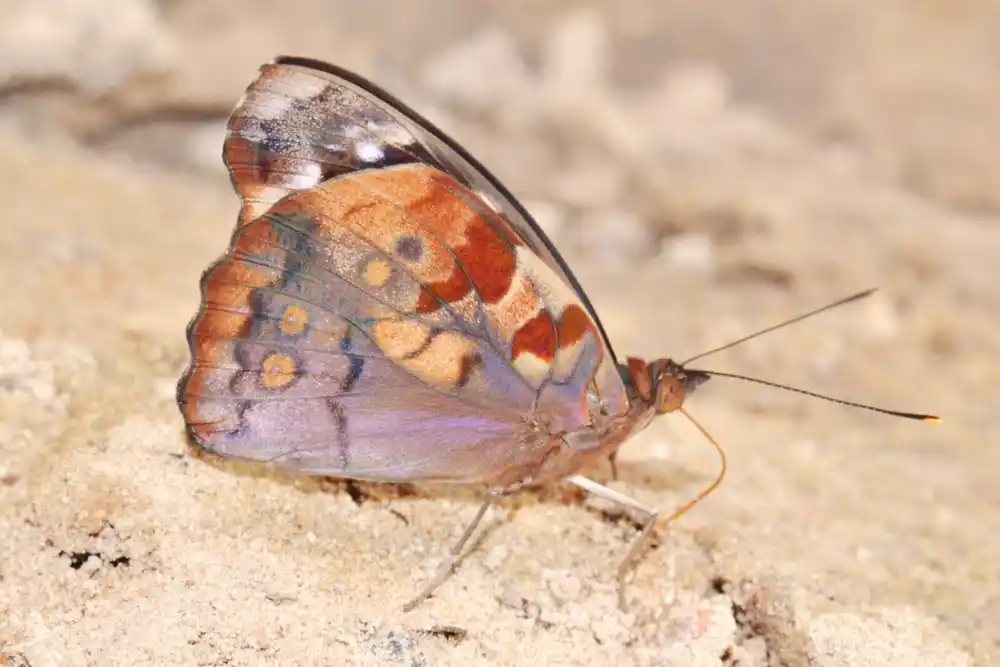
(376, 272)
(278, 370)
(293, 320)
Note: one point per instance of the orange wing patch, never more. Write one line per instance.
(485, 260)
(277, 371)
(534, 347)
(549, 329)
(537, 337)
(440, 358)
(225, 316)
(401, 339)
(440, 230)
(294, 320)
(575, 330)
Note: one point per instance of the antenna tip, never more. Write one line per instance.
(933, 419)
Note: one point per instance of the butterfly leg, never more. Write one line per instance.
(453, 557)
(613, 462)
(638, 543)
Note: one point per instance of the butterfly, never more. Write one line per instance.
(388, 311)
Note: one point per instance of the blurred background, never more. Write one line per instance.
(708, 168)
(899, 88)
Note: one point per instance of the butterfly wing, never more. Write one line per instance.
(382, 322)
(305, 121)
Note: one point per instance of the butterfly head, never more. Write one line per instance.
(662, 384)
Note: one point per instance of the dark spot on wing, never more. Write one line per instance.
(470, 364)
(410, 248)
(357, 363)
(340, 418)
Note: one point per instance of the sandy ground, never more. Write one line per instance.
(694, 206)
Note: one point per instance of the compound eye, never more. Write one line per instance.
(669, 394)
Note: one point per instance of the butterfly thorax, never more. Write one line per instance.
(660, 385)
(653, 388)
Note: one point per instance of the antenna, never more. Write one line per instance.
(895, 413)
(781, 325)
(854, 297)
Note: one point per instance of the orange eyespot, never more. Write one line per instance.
(277, 371)
(293, 320)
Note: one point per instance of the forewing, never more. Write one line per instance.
(303, 122)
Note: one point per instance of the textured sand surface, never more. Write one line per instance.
(838, 538)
